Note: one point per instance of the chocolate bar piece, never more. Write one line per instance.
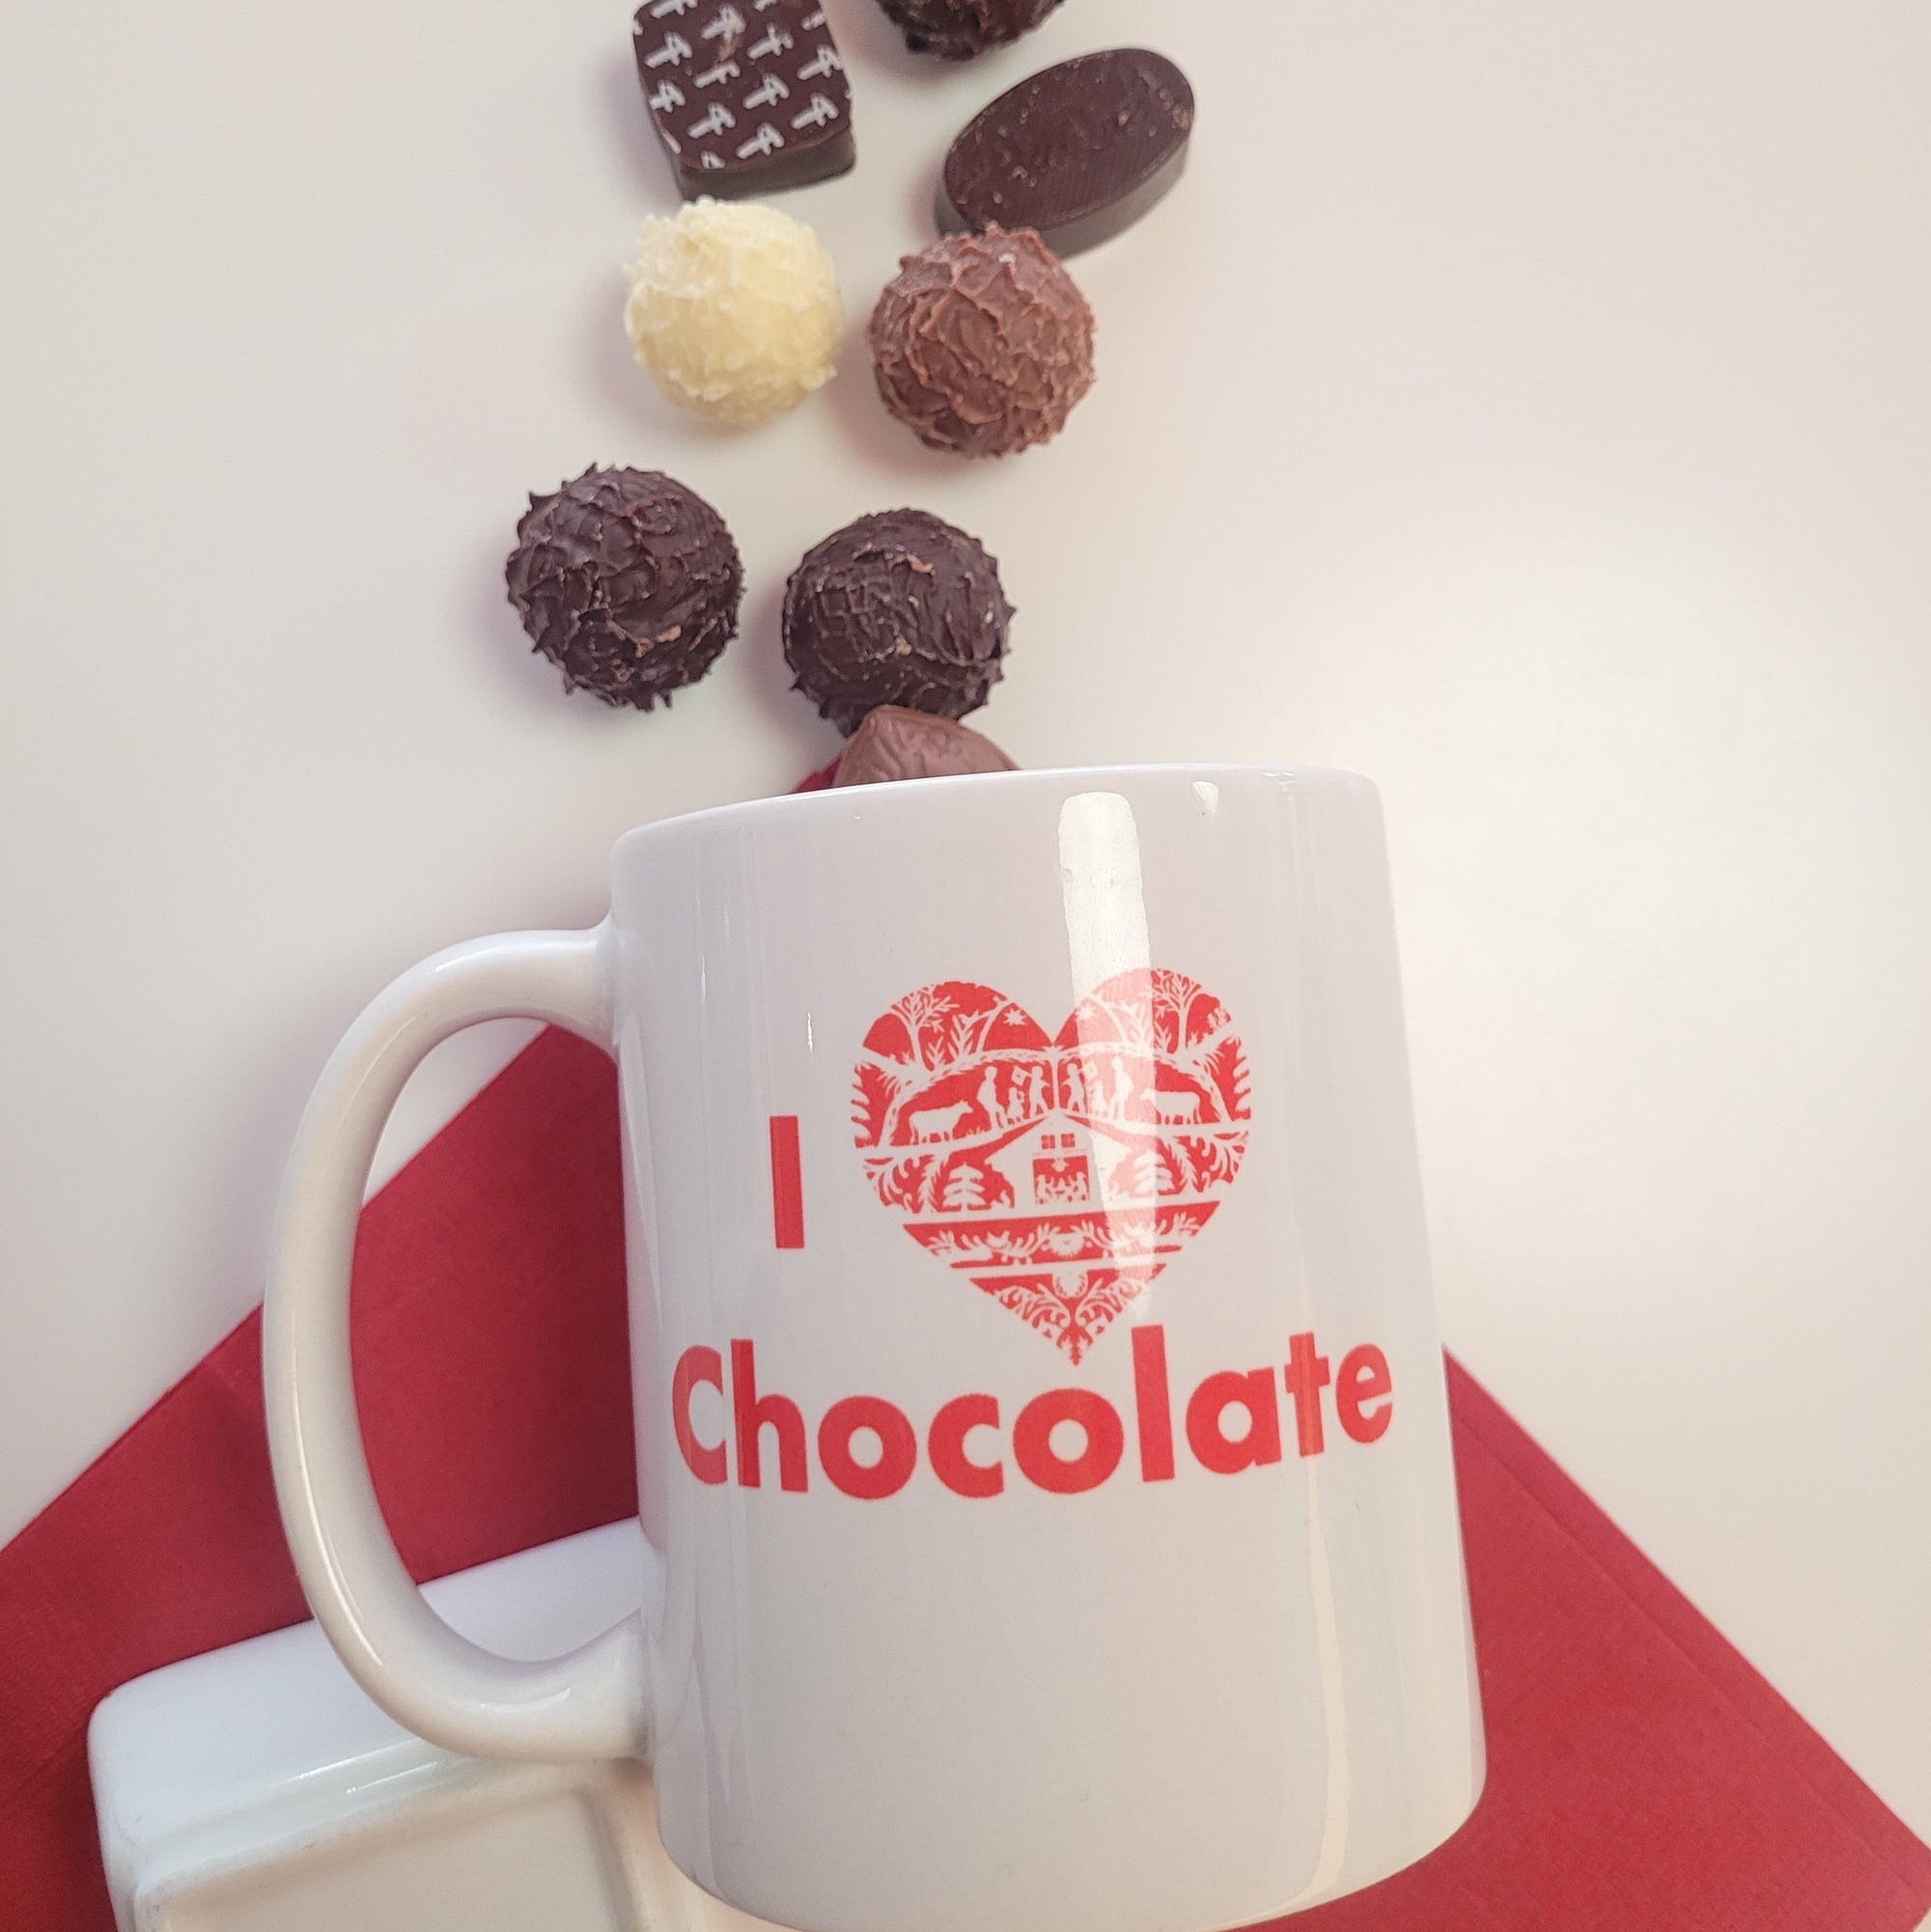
(748, 96)
(1077, 152)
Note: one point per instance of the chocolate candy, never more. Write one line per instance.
(956, 30)
(898, 608)
(627, 582)
(747, 96)
(1077, 152)
(982, 343)
(893, 742)
(734, 310)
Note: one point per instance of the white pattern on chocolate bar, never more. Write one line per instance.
(772, 67)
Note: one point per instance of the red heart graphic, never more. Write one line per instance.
(1061, 1175)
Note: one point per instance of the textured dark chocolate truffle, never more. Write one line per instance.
(956, 30)
(627, 582)
(893, 742)
(898, 608)
(982, 343)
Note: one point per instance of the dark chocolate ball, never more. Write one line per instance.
(956, 30)
(898, 608)
(982, 343)
(627, 582)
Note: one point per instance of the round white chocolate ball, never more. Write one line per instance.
(734, 310)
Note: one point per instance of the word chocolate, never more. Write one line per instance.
(964, 1440)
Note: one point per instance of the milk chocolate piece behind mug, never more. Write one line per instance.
(748, 96)
(894, 743)
(1077, 152)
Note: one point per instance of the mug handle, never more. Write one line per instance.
(593, 1702)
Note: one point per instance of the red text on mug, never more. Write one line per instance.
(1232, 1420)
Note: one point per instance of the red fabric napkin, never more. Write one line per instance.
(1643, 1777)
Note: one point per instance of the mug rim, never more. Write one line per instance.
(1040, 777)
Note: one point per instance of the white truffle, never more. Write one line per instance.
(734, 310)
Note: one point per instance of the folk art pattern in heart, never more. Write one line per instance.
(1061, 1175)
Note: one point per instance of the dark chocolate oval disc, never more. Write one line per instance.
(1078, 151)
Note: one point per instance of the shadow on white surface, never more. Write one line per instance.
(633, 134)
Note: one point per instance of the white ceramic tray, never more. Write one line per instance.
(256, 1787)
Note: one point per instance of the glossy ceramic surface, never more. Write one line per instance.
(1040, 1406)
(256, 1789)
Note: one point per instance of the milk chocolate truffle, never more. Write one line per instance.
(893, 742)
(898, 608)
(982, 343)
(956, 30)
(627, 582)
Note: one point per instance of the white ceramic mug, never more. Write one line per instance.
(1040, 1417)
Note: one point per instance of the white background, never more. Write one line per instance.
(1527, 405)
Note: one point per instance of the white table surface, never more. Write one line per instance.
(1527, 405)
